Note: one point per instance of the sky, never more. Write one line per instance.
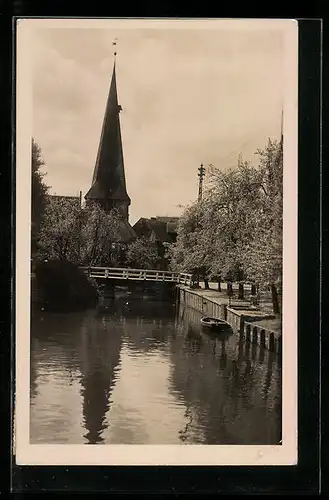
(188, 96)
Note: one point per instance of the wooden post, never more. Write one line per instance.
(241, 292)
(223, 311)
(275, 301)
(229, 289)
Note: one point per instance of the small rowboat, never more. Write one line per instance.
(215, 324)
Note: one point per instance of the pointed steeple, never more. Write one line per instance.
(109, 183)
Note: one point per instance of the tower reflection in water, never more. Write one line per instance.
(101, 341)
(71, 349)
(139, 374)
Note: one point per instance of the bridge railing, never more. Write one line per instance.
(184, 278)
(137, 274)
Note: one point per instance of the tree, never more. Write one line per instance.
(39, 192)
(86, 236)
(64, 286)
(142, 254)
(246, 209)
(263, 255)
(232, 198)
(100, 236)
(60, 230)
(190, 252)
(235, 231)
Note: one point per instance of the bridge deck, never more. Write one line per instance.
(138, 274)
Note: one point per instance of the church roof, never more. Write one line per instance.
(126, 232)
(109, 176)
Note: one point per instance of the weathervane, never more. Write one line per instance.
(115, 53)
(114, 43)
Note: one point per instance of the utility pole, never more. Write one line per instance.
(114, 43)
(201, 175)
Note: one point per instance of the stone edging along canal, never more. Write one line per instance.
(247, 323)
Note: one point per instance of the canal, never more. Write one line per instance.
(143, 373)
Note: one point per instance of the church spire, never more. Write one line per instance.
(109, 183)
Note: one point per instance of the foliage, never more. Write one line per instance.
(64, 286)
(100, 235)
(60, 230)
(38, 192)
(85, 236)
(183, 254)
(235, 231)
(263, 253)
(142, 254)
(233, 197)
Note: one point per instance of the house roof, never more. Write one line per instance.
(161, 229)
(75, 200)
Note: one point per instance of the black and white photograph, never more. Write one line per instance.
(156, 242)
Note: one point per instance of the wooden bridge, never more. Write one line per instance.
(118, 273)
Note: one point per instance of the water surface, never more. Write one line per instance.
(145, 373)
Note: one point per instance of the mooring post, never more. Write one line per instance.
(223, 308)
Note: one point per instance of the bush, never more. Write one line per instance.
(64, 286)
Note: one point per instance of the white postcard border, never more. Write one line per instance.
(27, 454)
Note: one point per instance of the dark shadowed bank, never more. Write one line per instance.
(62, 286)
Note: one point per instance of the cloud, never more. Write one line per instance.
(187, 96)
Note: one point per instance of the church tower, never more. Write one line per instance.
(108, 186)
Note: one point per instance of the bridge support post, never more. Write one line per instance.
(106, 295)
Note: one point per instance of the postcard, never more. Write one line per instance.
(156, 242)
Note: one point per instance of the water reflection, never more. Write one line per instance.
(100, 348)
(143, 372)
